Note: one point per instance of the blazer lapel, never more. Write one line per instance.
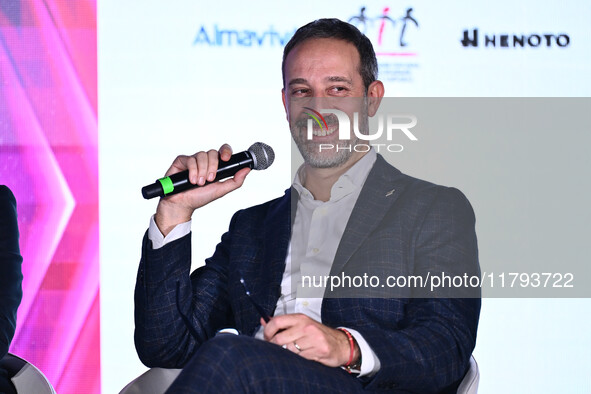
(381, 189)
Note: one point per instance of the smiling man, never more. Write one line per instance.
(378, 220)
(318, 72)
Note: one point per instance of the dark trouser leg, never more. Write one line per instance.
(241, 364)
(6, 386)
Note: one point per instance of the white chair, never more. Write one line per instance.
(158, 380)
(27, 378)
(153, 381)
(469, 384)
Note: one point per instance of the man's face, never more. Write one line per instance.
(320, 74)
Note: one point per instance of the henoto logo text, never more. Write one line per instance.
(516, 40)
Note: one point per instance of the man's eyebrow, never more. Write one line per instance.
(340, 79)
(304, 81)
(297, 81)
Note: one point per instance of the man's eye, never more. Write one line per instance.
(300, 92)
(339, 89)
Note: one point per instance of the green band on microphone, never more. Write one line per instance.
(167, 185)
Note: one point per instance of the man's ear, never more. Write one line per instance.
(284, 104)
(375, 92)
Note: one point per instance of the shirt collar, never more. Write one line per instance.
(352, 179)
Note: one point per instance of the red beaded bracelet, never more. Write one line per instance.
(352, 345)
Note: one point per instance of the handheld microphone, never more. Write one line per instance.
(258, 157)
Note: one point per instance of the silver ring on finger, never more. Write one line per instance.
(297, 346)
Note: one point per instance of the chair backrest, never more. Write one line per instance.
(25, 376)
(158, 380)
(469, 384)
(153, 381)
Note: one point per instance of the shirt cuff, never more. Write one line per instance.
(370, 363)
(159, 240)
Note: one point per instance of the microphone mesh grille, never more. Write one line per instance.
(263, 155)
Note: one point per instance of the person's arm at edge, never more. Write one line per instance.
(11, 276)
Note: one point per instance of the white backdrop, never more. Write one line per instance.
(164, 91)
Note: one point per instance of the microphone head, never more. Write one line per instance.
(262, 155)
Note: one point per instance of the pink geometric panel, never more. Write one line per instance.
(49, 158)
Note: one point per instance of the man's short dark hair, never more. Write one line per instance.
(335, 28)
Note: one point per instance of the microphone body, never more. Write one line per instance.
(259, 157)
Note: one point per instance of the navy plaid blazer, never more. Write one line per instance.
(400, 225)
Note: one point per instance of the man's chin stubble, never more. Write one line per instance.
(316, 159)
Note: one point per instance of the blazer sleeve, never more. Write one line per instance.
(429, 350)
(11, 276)
(165, 289)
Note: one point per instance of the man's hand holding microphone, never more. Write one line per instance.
(182, 190)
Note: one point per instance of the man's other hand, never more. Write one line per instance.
(315, 341)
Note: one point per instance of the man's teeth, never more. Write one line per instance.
(322, 132)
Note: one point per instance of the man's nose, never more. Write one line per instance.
(319, 102)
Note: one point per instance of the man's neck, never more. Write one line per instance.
(319, 181)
